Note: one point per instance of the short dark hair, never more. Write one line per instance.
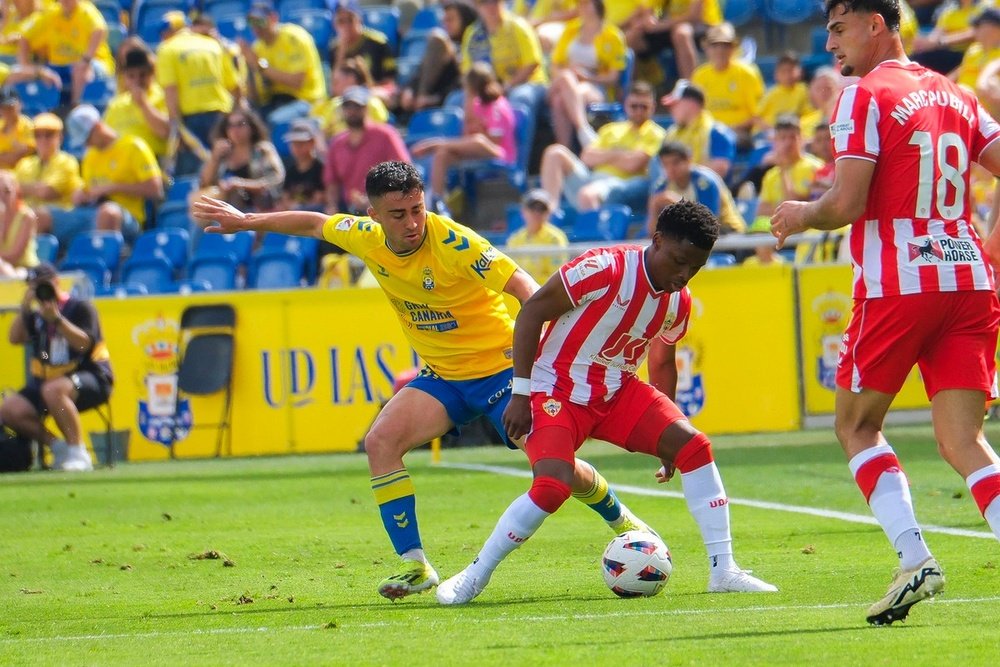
(787, 121)
(889, 9)
(789, 57)
(675, 148)
(258, 128)
(641, 88)
(599, 8)
(689, 221)
(387, 177)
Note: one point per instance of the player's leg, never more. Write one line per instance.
(410, 418)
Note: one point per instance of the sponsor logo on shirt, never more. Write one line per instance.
(585, 269)
(344, 224)
(482, 265)
(947, 250)
(620, 302)
(843, 127)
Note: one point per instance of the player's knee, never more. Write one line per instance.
(694, 454)
(53, 392)
(548, 493)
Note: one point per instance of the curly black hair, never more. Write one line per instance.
(889, 9)
(689, 221)
(387, 177)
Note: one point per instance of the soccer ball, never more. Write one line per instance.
(636, 564)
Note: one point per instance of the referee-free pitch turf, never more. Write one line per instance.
(274, 561)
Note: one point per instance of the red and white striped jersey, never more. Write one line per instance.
(585, 354)
(922, 131)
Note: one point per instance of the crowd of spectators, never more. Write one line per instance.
(636, 102)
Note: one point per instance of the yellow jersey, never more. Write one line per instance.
(542, 9)
(10, 34)
(620, 11)
(294, 51)
(954, 18)
(973, 62)
(330, 116)
(609, 45)
(127, 160)
(61, 173)
(64, 39)
(29, 256)
(711, 12)
(23, 133)
(731, 95)
(514, 45)
(202, 70)
(780, 100)
(801, 174)
(540, 267)
(125, 117)
(622, 135)
(447, 293)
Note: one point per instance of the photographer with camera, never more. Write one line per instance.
(70, 368)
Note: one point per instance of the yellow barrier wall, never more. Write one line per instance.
(825, 307)
(741, 340)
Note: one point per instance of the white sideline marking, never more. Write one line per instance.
(759, 504)
(506, 618)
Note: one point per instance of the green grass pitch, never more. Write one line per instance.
(119, 566)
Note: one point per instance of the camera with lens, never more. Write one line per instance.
(45, 292)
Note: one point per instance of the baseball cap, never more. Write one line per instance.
(260, 10)
(537, 196)
(988, 15)
(356, 94)
(48, 121)
(301, 129)
(175, 19)
(80, 123)
(8, 95)
(724, 33)
(41, 271)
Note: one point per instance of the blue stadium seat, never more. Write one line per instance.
(413, 46)
(614, 108)
(103, 245)
(98, 92)
(121, 291)
(47, 247)
(385, 19)
(93, 267)
(790, 12)
(286, 6)
(218, 271)
(767, 65)
(717, 259)
(147, 17)
(428, 123)
(181, 188)
(609, 223)
(218, 8)
(276, 269)
(471, 172)
(173, 215)
(111, 10)
(426, 20)
(818, 38)
(278, 131)
(234, 27)
(170, 244)
(318, 22)
(191, 286)
(238, 246)
(748, 209)
(37, 97)
(739, 12)
(153, 272)
(307, 248)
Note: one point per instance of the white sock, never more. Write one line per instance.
(519, 522)
(892, 507)
(415, 554)
(992, 512)
(708, 504)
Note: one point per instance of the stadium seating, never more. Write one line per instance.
(739, 12)
(306, 248)
(613, 108)
(748, 209)
(218, 272)
(37, 97)
(430, 123)
(173, 215)
(276, 269)
(426, 20)
(385, 19)
(471, 173)
(609, 223)
(318, 22)
(147, 17)
(47, 247)
(98, 92)
(181, 188)
(121, 291)
(237, 246)
(169, 244)
(154, 272)
(219, 8)
(717, 259)
(790, 12)
(93, 268)
(104, 246)
(234, 27)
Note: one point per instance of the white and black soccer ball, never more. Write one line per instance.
(636, 564)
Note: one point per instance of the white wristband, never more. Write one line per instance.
(521, 387)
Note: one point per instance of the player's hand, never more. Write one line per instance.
(665, 473)
(517, 416)
(789, 218)
(220, 217)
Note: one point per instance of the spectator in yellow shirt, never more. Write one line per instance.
(984, 49)
(732, 88)
(536, 208)
(617, 162)
(788, 95)
(50, 176)
(548, 18)
(120, 174)
(287, 73)
(353, 39)
(18, 248)
(15, 12)
(941, 50)
(140, 107)
(16, 137)
(329, 114)
(673, 26)
(71, 36)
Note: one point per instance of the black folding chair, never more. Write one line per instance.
(206, 362)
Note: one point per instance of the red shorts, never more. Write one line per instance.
(951, 336)
(634, 419)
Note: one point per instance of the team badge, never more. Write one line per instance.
(833, 311)
(552, 407)
(344, 224)
(428, 279)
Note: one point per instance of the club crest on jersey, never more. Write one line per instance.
(948, 250)
(552, 407)
(428, 278)
(344, 224)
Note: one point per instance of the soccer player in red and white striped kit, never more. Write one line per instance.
(924, 293)
(603, 309)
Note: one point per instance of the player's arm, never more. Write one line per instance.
(662, 364)
(547, 304)
(990, 159)
(841, 205)
(222, 218)
(521, 286)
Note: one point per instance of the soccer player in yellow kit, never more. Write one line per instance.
(446, 285)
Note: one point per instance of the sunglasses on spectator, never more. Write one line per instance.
(537, 207)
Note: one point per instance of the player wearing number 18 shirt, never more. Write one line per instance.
(603, 308)
(904, 139)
